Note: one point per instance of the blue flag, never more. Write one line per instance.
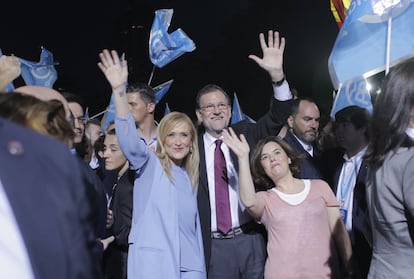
(363, 48)
(164, 47)
(10, 86)
(354, 92)
(162, 89)
(109, 115)
(42, 73)
(167, 109)
(237, 114)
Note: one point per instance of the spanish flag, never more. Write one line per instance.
(339, 9)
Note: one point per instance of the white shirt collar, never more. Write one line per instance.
(308, 147)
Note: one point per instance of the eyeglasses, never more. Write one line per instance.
(212, 107)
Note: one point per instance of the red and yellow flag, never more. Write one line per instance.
(339, 9)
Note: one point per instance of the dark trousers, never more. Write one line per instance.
(240, 257)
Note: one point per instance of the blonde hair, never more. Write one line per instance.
(191, 161)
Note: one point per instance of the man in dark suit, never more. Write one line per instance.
(303, 124)
(240, 251)
(351, 130)
(46, 209)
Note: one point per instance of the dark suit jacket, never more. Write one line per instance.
(360, 221)
(121, 205)
(42, 183)
(310, 167)
(96, 196)
(269, 124)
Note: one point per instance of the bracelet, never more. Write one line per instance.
(279, 83)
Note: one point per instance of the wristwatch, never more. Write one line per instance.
(279, 83)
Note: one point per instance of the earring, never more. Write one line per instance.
(191, 150)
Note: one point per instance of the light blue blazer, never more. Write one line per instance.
(154, 250)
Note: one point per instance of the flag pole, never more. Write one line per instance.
(388, 50)
(98, 114)
(152, 74)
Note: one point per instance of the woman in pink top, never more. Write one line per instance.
(305, 230)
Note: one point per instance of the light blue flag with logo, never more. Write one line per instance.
(164, 47)
(42, 73)
(162, 89)
(167, 109)
(354, 92)
(10, 86)
(376, 35)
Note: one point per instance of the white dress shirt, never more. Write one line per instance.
(14, 259)
(239, 215)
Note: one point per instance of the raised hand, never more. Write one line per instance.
(9, 70)
(272, 61)
(239, 145)
(115, 70)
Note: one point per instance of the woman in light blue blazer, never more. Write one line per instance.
(165, 239)
(390, 182)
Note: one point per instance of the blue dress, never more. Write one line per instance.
(165, 239)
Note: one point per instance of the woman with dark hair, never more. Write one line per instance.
(390, 191)
(305, 230)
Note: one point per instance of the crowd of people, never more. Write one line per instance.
(200, 198)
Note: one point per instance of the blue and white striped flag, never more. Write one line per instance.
(42, 73)
(164, 47)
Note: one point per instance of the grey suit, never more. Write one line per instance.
(390, 196)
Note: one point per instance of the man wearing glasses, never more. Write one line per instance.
(235, 247)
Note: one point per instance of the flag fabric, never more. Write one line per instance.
(339, 9)
(109, 114)
(10, 86)
(167, 109)
(42, 73)
(354, 92)
(164, 47)
(237, 114)
(162, 89)
(361, 47)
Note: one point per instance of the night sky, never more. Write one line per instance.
(225, 33)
